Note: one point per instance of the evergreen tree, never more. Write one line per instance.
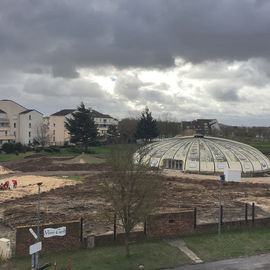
(146, 128)
(81, 126)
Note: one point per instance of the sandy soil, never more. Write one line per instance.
(27, 185)
(4, 170)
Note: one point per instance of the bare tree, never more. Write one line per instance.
(131, 188)
(43, 136)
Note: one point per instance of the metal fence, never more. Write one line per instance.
(248, 212)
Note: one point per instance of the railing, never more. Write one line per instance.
(247, 212)
(4, 120)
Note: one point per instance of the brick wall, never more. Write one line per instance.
(56, 243)
(170, 224)
(103, 239)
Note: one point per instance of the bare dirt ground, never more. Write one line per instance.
(62, 200)
(37, 163)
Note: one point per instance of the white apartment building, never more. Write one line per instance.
(17, 123)
(60, 135)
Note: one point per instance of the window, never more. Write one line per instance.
(14, 125)
(5, 133)
(14, 133)
(53, 138)
(30, 117)
(53, 124)
(54, 132)
(104, 120)
(29, 125)
(29, 134)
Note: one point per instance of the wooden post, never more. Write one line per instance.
(114, 227)
(246, 213)
(144, 227)
(195, 218)
(81, 233)
(253, 213)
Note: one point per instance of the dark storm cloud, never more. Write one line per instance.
(66, 35)
(60, 88)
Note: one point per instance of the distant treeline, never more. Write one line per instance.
(167, 129)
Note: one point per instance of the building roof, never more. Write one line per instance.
(95, 113)
(1, 111)
(9, 100)
(63, 112)
(28, 111)
(201, 154)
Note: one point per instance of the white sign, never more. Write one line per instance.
(50, 232)
(33, 233)
(221, 166)
(35, 248)
(232, 175)
(192, 165)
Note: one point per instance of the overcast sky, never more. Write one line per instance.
(184, 59)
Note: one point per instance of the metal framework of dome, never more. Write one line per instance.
(201, 154)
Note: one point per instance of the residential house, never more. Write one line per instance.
(17, 123)
(203, 126)
(60, 135)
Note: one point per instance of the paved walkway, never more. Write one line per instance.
(180, 244)
(257, 262)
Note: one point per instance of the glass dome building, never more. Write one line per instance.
(206, 155)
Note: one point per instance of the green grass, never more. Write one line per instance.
(74, 177)
(152, 254)
(232, 243)
(263, 146)
(6, 157)
(98, 151)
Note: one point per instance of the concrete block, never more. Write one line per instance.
(91, 241)
(5, 249)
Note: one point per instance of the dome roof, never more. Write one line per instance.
(201, 154)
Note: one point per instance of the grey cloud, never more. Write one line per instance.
(128, 86)
(225, 95)
(65, 72)
(139, 33)
(46, 86)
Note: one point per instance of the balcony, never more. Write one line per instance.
(4, 128)
(4, 120)
(5, 138)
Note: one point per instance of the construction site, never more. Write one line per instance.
(70, 191)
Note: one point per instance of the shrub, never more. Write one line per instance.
(18, 147)
(8, 148)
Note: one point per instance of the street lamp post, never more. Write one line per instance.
(222, 178)
(38, 226)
